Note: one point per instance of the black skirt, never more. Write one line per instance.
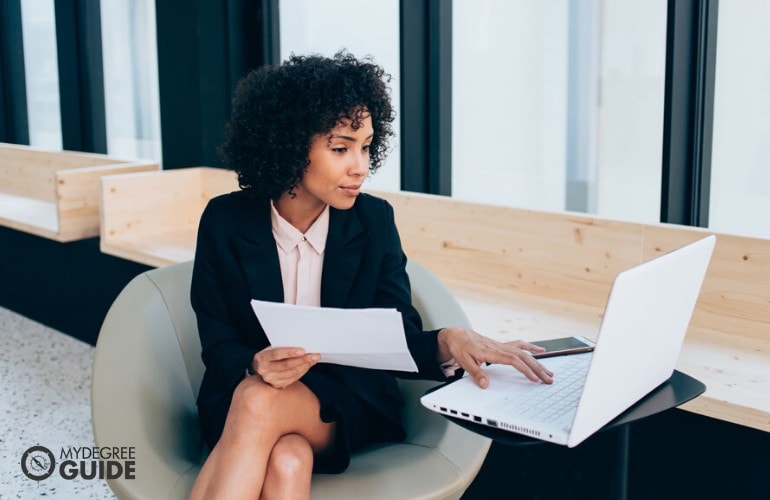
(358, 424)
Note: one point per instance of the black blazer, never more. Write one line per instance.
(236, 260)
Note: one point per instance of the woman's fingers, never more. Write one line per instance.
(526, 346)
(470, 350)
(522, 361)
(282, 366)
(280, 353)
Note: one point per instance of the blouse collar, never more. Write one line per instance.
(288, 237)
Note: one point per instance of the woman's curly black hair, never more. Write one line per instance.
(278, 109)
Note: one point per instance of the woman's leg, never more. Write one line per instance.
(259, 416)
(289, 469)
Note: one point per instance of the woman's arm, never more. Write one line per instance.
(433, 348)
(225, 352)
(394, 290)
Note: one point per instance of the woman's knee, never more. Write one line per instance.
(291, 458)
(255, 398)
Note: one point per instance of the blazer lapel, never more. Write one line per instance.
(258, 254)
(344, 248)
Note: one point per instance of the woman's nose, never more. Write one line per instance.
(360, 165)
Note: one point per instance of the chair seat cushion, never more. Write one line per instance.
(392, 471)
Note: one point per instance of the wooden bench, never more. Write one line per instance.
(54, 194)
(152, 218)
(534, 275)
(520, 274)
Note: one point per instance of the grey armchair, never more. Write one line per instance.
(147, 370)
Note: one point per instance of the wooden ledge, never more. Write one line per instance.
(152, 218)
(526, 274)
(734, 368)
(54, 194)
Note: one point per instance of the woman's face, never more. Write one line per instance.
(339, 164)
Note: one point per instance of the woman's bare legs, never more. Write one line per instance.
(260, 418)
(289, 469)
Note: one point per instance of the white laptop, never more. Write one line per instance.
(644, 324)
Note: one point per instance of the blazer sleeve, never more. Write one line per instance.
(225, 351)
(394, 290)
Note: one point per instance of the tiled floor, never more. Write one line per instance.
(44, 400)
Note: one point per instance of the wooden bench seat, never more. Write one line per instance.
(535, 275)
(733, 367)
(152, 218)
(55, 194)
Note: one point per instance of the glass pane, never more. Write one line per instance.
(42, 73)
(130, 60)
(363, 27)
(740, 176)
(558, 105)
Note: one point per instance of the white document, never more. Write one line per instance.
(367, 338)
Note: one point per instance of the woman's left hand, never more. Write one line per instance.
(470, 349)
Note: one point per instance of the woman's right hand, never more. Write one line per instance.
(282, 366)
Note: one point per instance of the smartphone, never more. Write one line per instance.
(563, 346)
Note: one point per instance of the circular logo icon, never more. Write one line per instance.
(37, 463)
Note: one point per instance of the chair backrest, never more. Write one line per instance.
(146, 374)
(437, 307)
(147, 370)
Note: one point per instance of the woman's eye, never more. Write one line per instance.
(367, 148)
(339, 150)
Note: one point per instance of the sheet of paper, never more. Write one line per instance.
(367, 338)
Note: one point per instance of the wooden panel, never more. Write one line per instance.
(54, 194)
(523, 274)
(153, 218)
(148, 203)
(560, 256)
(25, 178)
(77, 197)
(30, 173)
(216, 181)
(735, 298)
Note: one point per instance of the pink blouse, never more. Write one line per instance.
(301, 257)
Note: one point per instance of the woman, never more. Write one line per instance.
(303, 137)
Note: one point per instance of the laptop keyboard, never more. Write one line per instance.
(548, 403)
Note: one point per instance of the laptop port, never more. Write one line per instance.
(477, 419)
(453, 412)
(491, 422)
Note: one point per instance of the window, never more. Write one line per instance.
(740, 177)
(42, 73)
(559, 105)
(130, 62)
(363, 27)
